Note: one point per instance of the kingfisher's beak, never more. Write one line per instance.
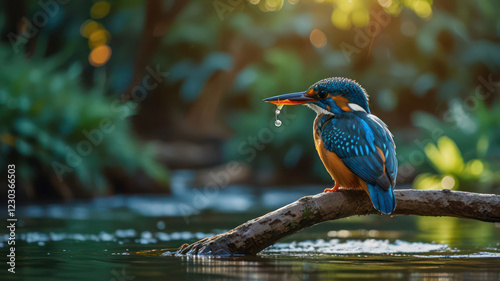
(290, 99)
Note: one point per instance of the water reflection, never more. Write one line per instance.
(320, 267)
(455, 276)
(258, 269)
(456, 231)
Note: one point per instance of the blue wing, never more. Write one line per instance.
(356, 138)
(365, 145)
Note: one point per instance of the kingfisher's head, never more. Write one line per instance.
(334, 95)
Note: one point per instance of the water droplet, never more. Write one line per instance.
(277, 123)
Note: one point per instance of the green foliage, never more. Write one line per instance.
(281, 71)
(419, 57)
(424, 56)
(50, 120)
(464, 157)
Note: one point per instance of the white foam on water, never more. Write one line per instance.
(368, 246)
(118, 236)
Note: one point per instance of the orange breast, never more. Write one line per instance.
(336, 168)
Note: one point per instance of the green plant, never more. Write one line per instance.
(53, 128)
(464, 157)
(448, 162)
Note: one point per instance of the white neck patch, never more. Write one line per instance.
(318, 109)
(356, 107)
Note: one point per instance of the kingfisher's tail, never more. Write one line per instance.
(383, 200)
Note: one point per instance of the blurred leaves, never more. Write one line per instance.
(196, 76)
(348, 14)
(51, 121)
(445, 157)
(421, 66)
(425, 56)
(473, 131)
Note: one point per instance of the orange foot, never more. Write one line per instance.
(335, 188)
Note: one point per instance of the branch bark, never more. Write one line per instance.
(260, 233)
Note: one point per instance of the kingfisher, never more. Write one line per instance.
(355, 146)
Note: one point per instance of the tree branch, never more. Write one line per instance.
(260, 233)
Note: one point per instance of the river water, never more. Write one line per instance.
(129, 238)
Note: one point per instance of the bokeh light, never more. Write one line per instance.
(98, 38)
(273, 5)
(88, 27)
(476, 167)
(360, 17)
(422, 8)
(8, 139)
(340, 19)
(318, 38)
(385, 3)
(347, 13)
(99, 10)
(394, 9)
(448, 182)
(100, 55)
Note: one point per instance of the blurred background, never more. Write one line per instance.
(139, 125)
(107, 97)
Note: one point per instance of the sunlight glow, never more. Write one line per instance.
(348, 13)
(340, 19)
(273, 5)
(99, 10)
(360, 17)
(448, 182)
(422, 8)
(318, 38)
(88, 27)
(345, 6)
(385, 3)
(100, 55)
(98, 38)
(476, 167)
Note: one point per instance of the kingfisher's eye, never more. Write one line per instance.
(322, 94)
